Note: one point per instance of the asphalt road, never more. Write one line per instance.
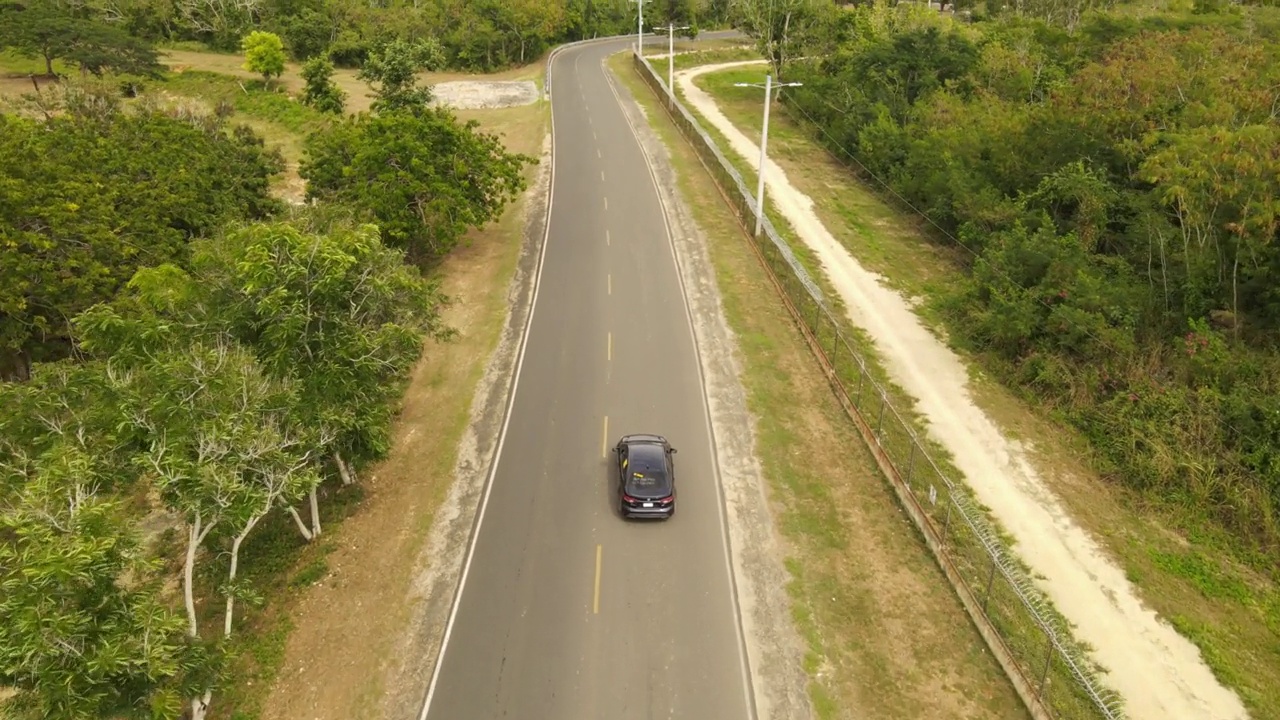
(567, 611)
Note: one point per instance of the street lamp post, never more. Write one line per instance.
(671, 62)
(640, 26)
(764, 141)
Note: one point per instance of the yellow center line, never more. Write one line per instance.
(595, 602)
(604, 438)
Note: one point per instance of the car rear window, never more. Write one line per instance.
(648, 482)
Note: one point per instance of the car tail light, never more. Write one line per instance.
(628, 498)
(668, 499)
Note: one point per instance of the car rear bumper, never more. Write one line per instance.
(658, 510)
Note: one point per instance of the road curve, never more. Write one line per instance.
(566, 611)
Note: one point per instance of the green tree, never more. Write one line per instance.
(422, 176)
(393, 70)
(221, 23)
(532, 23)
(65, 401)
(337, 313)
(1223, 186)
(221, 449)
(263, 54)
(320, 92)
(308, 34)
(782, 28)
(81, 208)
(84, 632)
(52, 33)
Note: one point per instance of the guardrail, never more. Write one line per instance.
(1033, 645)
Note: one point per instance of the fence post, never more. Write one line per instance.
(1048, 660)
(862, 375)
(990, 581)
(946, 522)
(911, 460)
(880, 416)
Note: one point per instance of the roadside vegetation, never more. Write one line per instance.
(1086, 200)
(198, 377)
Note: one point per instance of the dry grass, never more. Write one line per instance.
(887, 638)
(1229, 612)
(357, 91)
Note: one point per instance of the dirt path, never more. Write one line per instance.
(1159, 673)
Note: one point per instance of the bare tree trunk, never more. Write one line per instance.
(195, 536)
(313, 532)
(348, 475)
(231, 576)
(200, 705)
(302, 527)
(315, 513)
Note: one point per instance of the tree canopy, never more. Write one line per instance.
(83, 205)
(263, 54)
(52, 32)
(1117, 181)
(423, 176)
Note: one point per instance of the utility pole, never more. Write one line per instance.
(639, 26)
(671, 62)
(764, 141)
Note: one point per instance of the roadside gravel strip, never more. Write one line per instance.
(1159, 673)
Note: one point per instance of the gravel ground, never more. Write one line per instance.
(485, 94)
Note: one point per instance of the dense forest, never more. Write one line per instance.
(1111, 179)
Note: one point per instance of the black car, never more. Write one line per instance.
(646, 476)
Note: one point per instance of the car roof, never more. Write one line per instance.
(646, 455)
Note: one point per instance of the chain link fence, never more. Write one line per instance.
(1048, 668)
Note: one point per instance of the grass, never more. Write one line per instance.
(885, 636)
(688, 57)
(252, 98)
(274, 561)
(1229, 611)
(346, 79)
